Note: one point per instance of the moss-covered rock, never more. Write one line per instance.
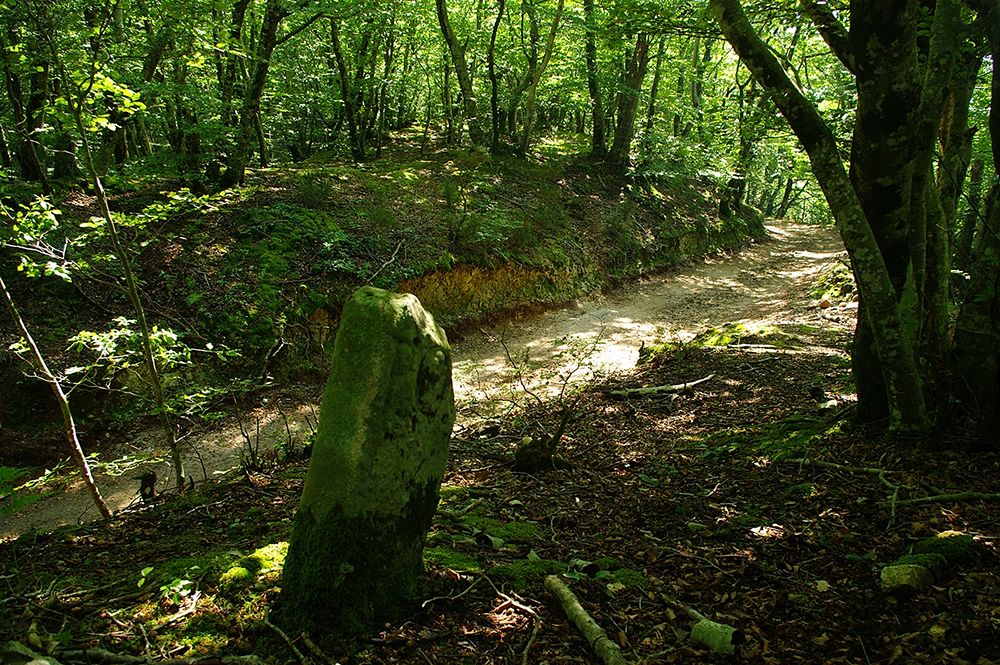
(356, 553)
(935, 563)
(906, 579)
(959, 549)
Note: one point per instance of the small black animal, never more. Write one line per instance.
(147, 486)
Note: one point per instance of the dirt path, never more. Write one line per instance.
(767, 283)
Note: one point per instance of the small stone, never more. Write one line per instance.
(906, 579)
(825, 303)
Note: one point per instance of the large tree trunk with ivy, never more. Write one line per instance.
(355, 556)
(874, 198)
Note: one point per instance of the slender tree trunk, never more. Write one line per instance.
(38, 361)
(348, 95)
(4, 150)
(972, 220)
(457, 51)
(494, 87)
(529, 105)
(654, 91)
(274, 14)
(598, 142)
(29, 160)
(636, 63)
(976, 353)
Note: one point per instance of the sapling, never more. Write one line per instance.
(41, 366)
(76, 94)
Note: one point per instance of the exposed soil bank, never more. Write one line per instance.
(766, 283)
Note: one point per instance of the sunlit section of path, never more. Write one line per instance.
(767, 283)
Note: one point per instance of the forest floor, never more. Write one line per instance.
(697, 497)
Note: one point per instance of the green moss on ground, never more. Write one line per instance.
(959, 549)
(453, 559)
(522, 572)
(514, 532)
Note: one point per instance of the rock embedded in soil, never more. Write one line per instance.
(355, 556)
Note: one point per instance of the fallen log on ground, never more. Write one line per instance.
(603, 646)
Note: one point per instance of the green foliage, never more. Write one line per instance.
(507, 531)
(13, 497)
(524, 572)
(793, 436)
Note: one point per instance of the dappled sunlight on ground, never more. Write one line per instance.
(768, 283)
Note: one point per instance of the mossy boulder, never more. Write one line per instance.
(906, 579)
(958, 549)
(355, 556)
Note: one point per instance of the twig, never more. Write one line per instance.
(449, 597)
(392, 258)
(315, 650)
(658, 390)
(531, 641)
(98, 655)
(305, 660)
(805, 461)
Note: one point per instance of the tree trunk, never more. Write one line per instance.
(880, 314)
(38, 361)
(976, 353)
(457, 51)
(654, 90)
(494, 86)
(29, 160)
(347, 95)
(598, 142)
(972, 220)
(529, 104)
(636, 63)
(236, 164)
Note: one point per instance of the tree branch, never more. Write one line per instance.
(831, 30)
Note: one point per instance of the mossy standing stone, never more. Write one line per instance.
(355, 556)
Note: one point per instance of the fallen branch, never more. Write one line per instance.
(658, 390)
(92, 656)
(385, 265)
(946, 498)
(805, 461)
(305, 660)
(719, 637)
(608, 651)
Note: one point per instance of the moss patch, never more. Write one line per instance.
(959, 549)
(521, 572)
(506, 531)
(453, 559)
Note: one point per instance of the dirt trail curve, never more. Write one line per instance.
(767, 283)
